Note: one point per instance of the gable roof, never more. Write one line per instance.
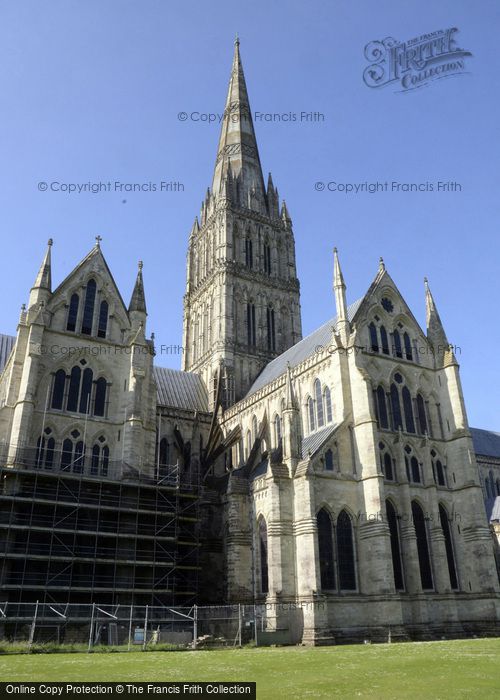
(96, 251)
(177, 389)
(6, 345)
(300, 351)
(381, 277)
(486, 442)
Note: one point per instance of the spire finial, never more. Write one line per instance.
(236, 40)
(381, 264)
(140, 264)
(98, 240)
(50, 242)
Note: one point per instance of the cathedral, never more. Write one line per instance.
(332, 477)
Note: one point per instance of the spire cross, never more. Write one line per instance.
(98, 240)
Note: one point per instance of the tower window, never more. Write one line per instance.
(267, 258)
(251, 330)
(408, 409)
(373, 337)
(271, 334)
(248, 253)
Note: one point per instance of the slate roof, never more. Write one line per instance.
(180, 389)
(312, 443)
(6, 345)
(486, 442)
(300, 351)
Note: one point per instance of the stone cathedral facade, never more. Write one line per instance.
(339, 473)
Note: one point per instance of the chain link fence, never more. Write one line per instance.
(30, 626)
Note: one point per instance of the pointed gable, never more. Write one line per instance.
(93, 263)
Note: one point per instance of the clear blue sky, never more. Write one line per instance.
(91, 91)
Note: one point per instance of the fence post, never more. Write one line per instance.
(130, 629)
(32, 630)
(195, 626)
(91, 628)
(239, 624)
(145, 641)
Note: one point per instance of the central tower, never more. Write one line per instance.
(242, 300)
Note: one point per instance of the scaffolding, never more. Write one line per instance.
(69, 537)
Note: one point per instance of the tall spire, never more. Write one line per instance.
(42, 287)
(339, 289)
(138, 299)
(435, 330)
(237, 143)
(44, 277)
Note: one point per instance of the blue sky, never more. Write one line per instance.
(90, 91)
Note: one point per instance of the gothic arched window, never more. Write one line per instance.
(79, 457)
(66, 455)
(271, 333)
(277, 430)
(86, 390)
(397, 420)
(100, 397)
(329, 460)
(383, 419)
(328, 405)
(72, 312)
(58, 390)
(325, 550)
(164, 452)
(73, 453)
(248, 253)
(385, 340)
(74, 389)
(310, 411)
(440, 473)
(251, 328)
(319, 403)
(88, 308)
(450, 557)
(373, 337)
(408, 410)
(386, 463)
(415, 470)
(99, 463)
(392, 521)
(45, 448)
(424, 559)
(103, 320)
(264, 575)
(421, 417)
(345, 553)
(267, 258)
(398, 351)
(407, 344)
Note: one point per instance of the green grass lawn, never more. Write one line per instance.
(434, 670)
